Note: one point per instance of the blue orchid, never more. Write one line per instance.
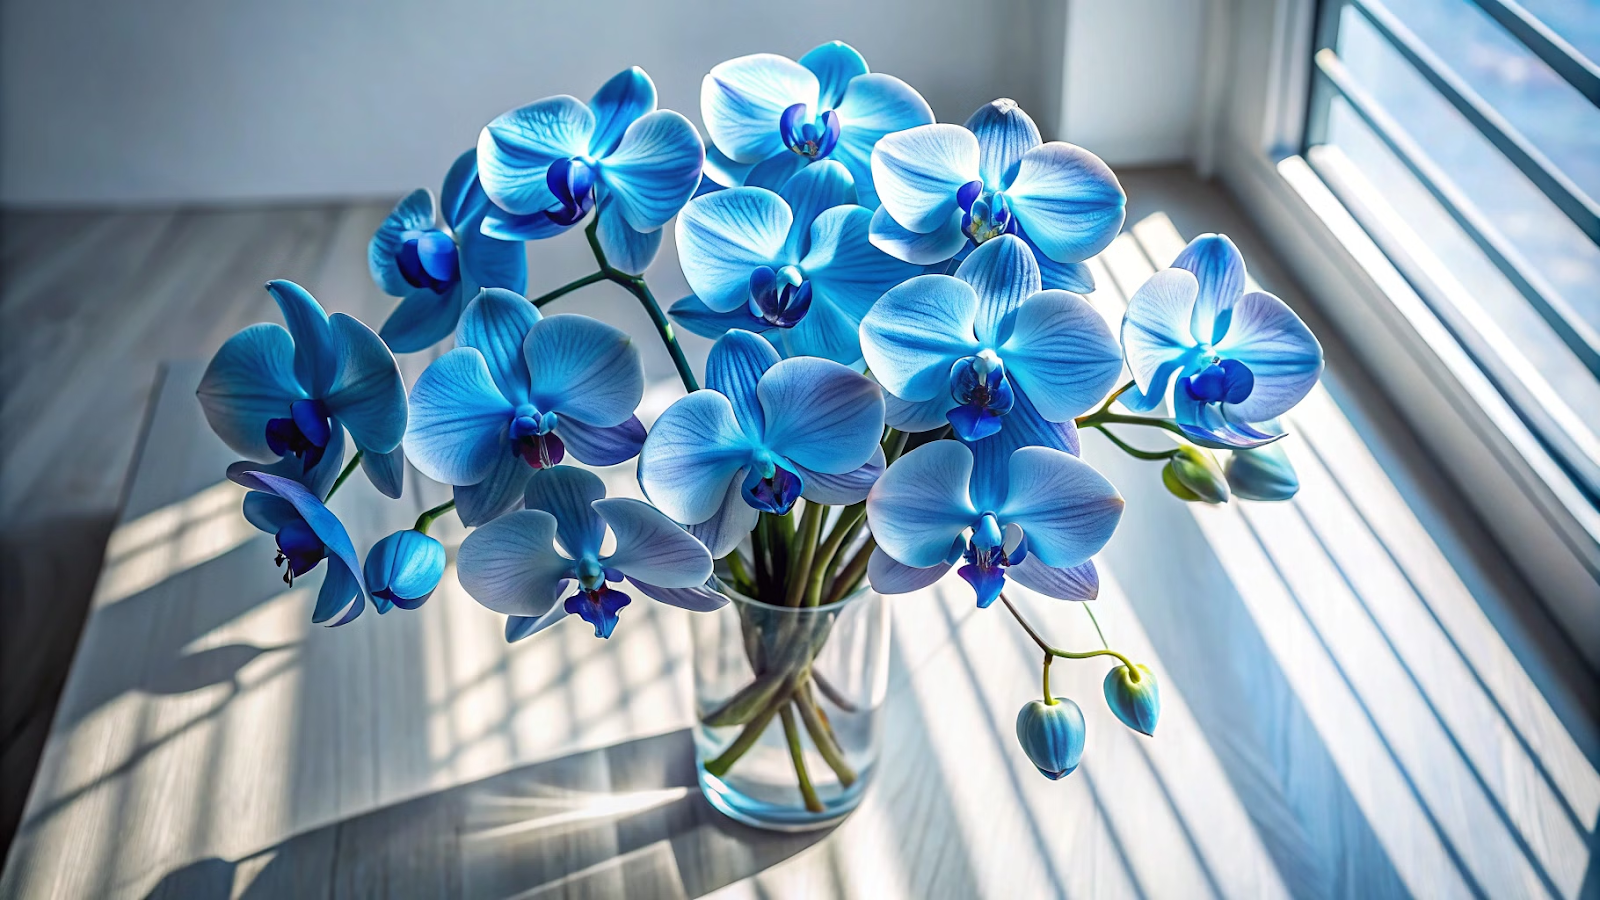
(947, 188)
(1038, 524)
(1052, 735)
(403, 570)
(519, 392)
(272, 393)
(987, 347)
(1240, 359)
(511, 565)
(769, 116)
(794, 265)
(548, 164)
(763, 433)
(438, 269)
(307, 533)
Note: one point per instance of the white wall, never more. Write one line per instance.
(157, 101)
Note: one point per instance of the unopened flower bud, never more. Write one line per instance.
(1193, 474)
(1136, 703)
(1262, 473)
(403, 569)
(1052, 735)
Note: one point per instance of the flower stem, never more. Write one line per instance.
(822, 735)
(1135, 452)
(426, 520)
(805, 550)
(1064, 654)
(634, 284)
(569, 287)
(1107, 417)
(349, 468)
(851, 574)
(798, 754)
(746, 739)
(849, 517)
(1096, 623)
(1049, 698)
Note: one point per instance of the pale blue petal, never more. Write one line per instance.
(834, 64)
(315, 358)
(920, 505)
(652, 547)
(697, 318)
(567, 493)
(534, 226)
(1022, 427)
(368, 395)
(1054, 276)
(413, 213)
(842, 490)
(1066, 509)
(625, 248)
(820, 186)
(742, 100)
(596, 446)
(1282, 353)
(827, 332)
(846, 271)
(629, 95)
(424, 318)
(327, 528)
(917, 172)
(921, 415)
(488, 262)
(1155, 334)
(1077, 583)
(1004, 134)
(874, 105)
(1068, 200)
(1061, 353)
(691, 454)
(724, 236)
(511, 566)
(386, 471)
(733, 368)
(462, 198)
(774, 172)
(583, 369)
(250, 381)
(456, 433)
(499, 492)
(517, 147)
(889, 577)
(495, 323)
(820, 414)
(916, 331)
(655, 169)
(334, 607)
(1219, 268)
(1207, 424)
(695, 599)
(1003, 273)
(733, 520)
(934, 248)
(519, 627)
(722, 170)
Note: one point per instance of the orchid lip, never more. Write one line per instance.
(572, 181)
(813, 139)
(983, 394)
(772, 488)
(300, 548)
(1224, 381)
(304, 433)
(780, 298)
(598, 607)
(429, 259)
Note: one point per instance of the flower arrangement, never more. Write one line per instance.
(903, 363)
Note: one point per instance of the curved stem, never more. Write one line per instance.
(569, 287)
(349, 468)
(426, 520)
(1049, 698)
(797, 753)
(634, 284)
(851, 574)
(1064, 654)
(1135, 452)
(1107, 417)
(1103, 642)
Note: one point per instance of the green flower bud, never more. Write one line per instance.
(1193, 474)
(1136, 703)
(1263, 473)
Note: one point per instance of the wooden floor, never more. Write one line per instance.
(1300, 720)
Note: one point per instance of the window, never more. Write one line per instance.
(1464, 135)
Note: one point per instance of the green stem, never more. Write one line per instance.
(804, 552)
(1107, 417)
(569, 287)
(894, 444)
(1049, 698)
(634, 284)
(426, 520)
(822, 735)
(851, 574)
(1135, 452)
(1064, 654)
(1106, 406)
(1103, 642)
(741, 574)
(829, 551)
(797, 753)
(746, 739)
(349, 468)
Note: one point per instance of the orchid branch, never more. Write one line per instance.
(344, 475)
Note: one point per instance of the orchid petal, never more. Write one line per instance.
(496, 323)
(916, 331)
(695, 449)
(652, 547)
(461, 197)
(937, 246)
(488, 262)
(1061, 353)
(1003, 273)
(917, 172)
(733, 520)
(723, 170)
(407, 566)
(697, 318)
(340, 586)
(723, 236)
(267, 512)
(874, 105)
(1068, 200)
(386, 471)
(820, 414)
(819, 187)
(1022, 427)
(1075, 583)
(828, 332)
(250, 381)
(625, 248)
(456, 431)
(315, 358)
(1155, 334)
(890, 577)
(414, 212)
(583, 368)
(516, 149)
(842, 490)
(534, 226)
(655, 169)
(1282, 353)
(921, 415)
(424, 318)
(1056, 276)
(601, 446)
(733, 369)
(1209, 425)
(568, 493)
(519, 627)
(775, 172)
(626, 97)
(700, 598)
(846, 271)
(1004, 134)
(920, 505)
(510, 565)
(327, 528)
(368, 396)
(1219, 268)
(742, 100)
(835, 64)
(1066, 509)
(498, 492)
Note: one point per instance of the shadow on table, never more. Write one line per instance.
(625, 820)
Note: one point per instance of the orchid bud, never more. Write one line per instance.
(1052, 735)
(1193, 474)
(403, 569)
(1136, 702)
(1262, 473)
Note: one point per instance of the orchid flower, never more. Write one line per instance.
(769, 116)
(947, 189)
(511, 565)
(966, 349)
(403, 569)
(1239, 359)
(794, 265)
(1039, 524)
(763, 433)
(548, 164)
(272, 392)
(436, 270)
(517, 393)
(307, 533)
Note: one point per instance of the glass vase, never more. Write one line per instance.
(789, 704)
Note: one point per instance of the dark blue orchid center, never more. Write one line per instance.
(428, 259)
(533, 438)
(300, 547)
(987, 559)
(1224, 381)
(984, 214)
(572, 181)
(811, 138)
(979, 385)
(598, 607)
(304, 433)
(780, 298)
(772, 488)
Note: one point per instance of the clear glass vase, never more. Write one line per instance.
(789, 703)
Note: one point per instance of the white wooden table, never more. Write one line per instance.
(1348, 710)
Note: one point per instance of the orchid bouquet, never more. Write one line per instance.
(902, 367)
